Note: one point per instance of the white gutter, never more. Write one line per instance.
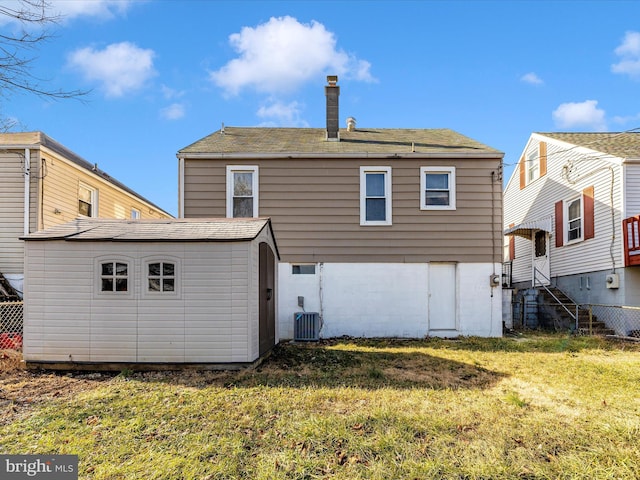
(27, 190)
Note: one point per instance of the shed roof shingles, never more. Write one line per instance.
(94, 229)
(254, 140)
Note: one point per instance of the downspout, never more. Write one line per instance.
(181, 187)
(27, 189)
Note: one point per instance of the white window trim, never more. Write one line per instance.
(452, 188)
(94, 199)
(532, 160)
(231, 169)
(133, 209)
(363, 195)
(177, 275)
(565, 220)
(98, 293)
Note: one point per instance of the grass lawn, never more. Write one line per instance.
(533, 407)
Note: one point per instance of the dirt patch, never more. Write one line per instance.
(21, 389)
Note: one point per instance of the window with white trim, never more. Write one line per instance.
(87, 201)
(573, 214)
(437, 188)
(242, 191)
(135, 214)
(114, 276)
(161, 277)
(533, 167)
(375, 195)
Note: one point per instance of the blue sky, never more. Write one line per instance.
(165, 73)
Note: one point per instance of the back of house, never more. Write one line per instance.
(381, 232)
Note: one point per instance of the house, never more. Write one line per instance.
(160, 291)
(381, 232)
(46, 184)
(571, 216)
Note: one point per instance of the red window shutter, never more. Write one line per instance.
(543, 159)
(559, 224)
(589, 223)
(522, 173)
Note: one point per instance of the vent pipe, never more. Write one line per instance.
(332, 92)
(351, 124)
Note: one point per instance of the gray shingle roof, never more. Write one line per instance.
(257, 140)
(162, 230)
(619, 144)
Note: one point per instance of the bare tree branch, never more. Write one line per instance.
(33, 19)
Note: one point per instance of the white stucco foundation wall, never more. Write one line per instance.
(387, 300)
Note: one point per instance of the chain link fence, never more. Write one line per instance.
(624, 321)
(11, 318)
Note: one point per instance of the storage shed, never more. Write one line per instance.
(170, 291)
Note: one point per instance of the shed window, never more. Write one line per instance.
(114, 277)
(162, 277)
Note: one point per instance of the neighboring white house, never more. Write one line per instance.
(166, 291)
(571, 216)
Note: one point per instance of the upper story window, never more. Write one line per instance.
(114, 276)
(135, 214)
(242, 191)
(437, 188)
(533, 167)
(87, 201)
(375, 195)
(574, 215)
(161, 277)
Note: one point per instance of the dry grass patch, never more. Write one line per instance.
(542, 407)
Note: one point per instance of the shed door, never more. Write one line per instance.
(442, 296)
(267, 299)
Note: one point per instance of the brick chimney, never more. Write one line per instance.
(332, 92)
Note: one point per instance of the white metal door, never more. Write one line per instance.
(442, 296)
(541, 273)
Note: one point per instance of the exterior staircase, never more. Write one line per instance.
(557, 305)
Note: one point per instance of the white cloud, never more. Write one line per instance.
(175, 111)
(629, 53)
(119, 68)
(580, 115)
(70, 9)
(532, 79)
(282, 115)
(105, 9)
(170, 93)
(280, 55)
(624, 120)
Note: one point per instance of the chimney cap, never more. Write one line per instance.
(332, 80)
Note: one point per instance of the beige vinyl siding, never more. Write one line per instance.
(537, 200)
(11, 212)
(314, 205)
(60, 194)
